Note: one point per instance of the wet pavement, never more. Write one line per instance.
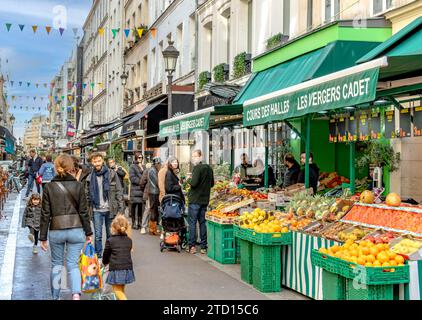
(167, 275)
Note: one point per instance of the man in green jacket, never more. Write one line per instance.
(199, 196)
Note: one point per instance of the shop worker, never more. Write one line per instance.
(244, 165)
(260, 172)
(313, 172)
(293, 169)
(201, 182)
(106, 196)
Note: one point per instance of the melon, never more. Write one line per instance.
(367, 197)
(393, 200)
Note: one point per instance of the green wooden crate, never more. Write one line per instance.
(333, 286)
(221, 242)
(246, 261)
(266, 275)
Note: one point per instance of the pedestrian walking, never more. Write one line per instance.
(31, 219)
(65, 220)
(81, 174)
(162, 180)
(144, 188)
(118, 255)
(153, 194)
(136, 194)
(121, 172)
(172, 181)
(106, 196)
(34, 165)
(201, 182)
(47, 172)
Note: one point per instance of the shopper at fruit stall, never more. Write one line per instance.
(201, 182)
(313, 172)
(240, 170)
(292, 173)
(260, 171)
(153, 195)
(136, 195)
(172, 181)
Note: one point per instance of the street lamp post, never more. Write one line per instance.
(170, 55)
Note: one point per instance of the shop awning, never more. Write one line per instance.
(404, 52)
(337, 55)
(115, 124)
(134, 123)
(200, 120)
(348, 87)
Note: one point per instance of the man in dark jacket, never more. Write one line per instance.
(313, 172)
(34, 165)
(106, 196)
(292, 173)
(153, 194)
(136, 194)
(199, 196)
(119, 170)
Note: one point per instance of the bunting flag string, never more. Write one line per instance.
(127, 32)
(8, 26)
(21, 26)
(140, 32)
(48, 29)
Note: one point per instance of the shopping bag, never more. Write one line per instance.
(39, 179)
(90, 270)
(106, 293)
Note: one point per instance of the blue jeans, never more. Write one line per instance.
(71, 240)
(99, 219)
(31, 180)
(196, 212)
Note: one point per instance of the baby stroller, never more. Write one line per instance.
(173, 223)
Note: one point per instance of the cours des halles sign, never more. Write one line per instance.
(346, 91)
(186, 125)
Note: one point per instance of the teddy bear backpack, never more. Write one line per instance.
(90, 270)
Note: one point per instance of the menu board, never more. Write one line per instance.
(333, 130)
(375, 125)
(417, 122)
(405, 122)
(352, 128)
(363, 126)
(390, 125)
(341, 130)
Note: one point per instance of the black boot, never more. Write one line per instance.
(134, 225)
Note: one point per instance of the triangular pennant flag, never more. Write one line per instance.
(13, 98)
(21, 107)
(114, 32)
(101, 31)
(92, 85)
(28, 83)
(36, 85)
(21, 26)
(34, 28)
(8, 26)
(35, 98)
(75, 31)
(61, 30)
(84, 85)
(39, 108)
(45, 85)
(62, 97)
(140, 32)
(127, 32)
(48, 29)
(42, 98)
(153, 32)
(20, 83)
(12, 82)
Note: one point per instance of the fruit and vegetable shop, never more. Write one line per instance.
(348, 101)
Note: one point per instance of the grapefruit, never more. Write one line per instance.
(367, 197)
(393, 200)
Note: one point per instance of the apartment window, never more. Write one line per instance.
(250, 3)
(381, 5)
(286, 17)
(332, 9)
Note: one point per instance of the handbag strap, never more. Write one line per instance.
(69, 195)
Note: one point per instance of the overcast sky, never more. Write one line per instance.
(36, 58)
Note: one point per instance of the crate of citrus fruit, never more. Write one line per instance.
(263, 228)
(371, 264)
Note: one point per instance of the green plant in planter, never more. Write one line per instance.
(239, 65)
(380, 154)
(203, 79)
(274, 41)
(219, 73)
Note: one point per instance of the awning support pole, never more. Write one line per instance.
(352, 167)
(232, 152)
(307, 149)
(266, 157)
(293, 128)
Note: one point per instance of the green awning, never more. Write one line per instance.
(348, 87)
(335, 56)
(201, 120)
(404, 52)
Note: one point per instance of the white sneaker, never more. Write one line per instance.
(162, 236)
(143, 231)
(35, 250)
(31, 237)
